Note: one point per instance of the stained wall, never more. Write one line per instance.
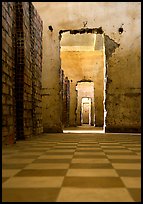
(123, 92)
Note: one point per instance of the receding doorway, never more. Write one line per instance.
(83, 60)
(86, 111)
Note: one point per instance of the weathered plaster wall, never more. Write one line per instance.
(123, 70)
(52, 106)
(123, 101)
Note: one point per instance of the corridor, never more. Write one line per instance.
(71, 102)
(84, 167)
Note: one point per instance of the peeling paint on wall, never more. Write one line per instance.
(84, 30)
(123, 64)
(110, 46)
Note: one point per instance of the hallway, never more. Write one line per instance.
(67, 69)
(73, 167)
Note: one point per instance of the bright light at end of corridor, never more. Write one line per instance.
(83, 131)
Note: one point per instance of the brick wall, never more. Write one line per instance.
(21, 71)
(23, 79)
(36, 28)
(8, 120)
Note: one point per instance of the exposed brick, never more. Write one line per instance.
(21, 81)
(4, 121)
(5, 110)
(5, 131)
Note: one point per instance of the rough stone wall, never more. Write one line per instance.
(123, 75)
(8, 26)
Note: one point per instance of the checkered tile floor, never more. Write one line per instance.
(73, 167)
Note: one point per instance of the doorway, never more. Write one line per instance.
(82, 54)
(86, 111)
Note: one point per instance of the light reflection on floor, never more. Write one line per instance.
(84, 129)
(90, 129)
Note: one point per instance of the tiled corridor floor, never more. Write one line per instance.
(73, 167)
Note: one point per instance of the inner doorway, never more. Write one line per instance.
(86, 111)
